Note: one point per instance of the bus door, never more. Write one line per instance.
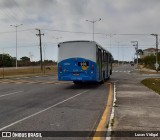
(100, 63)
(107, 64)
(110, 60)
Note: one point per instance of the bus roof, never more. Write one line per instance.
(84, 41)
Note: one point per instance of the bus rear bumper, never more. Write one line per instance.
(76, 78)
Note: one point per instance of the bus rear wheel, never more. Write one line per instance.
(77, 82)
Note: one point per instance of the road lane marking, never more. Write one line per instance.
(32, 82)
(102, 124)
(108, 136)
(125, 71)
(30, 116)
(10, 93)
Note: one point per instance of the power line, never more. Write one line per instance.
(129, 44)
(65, 31)
(97, 33)
(134, 34)
(17, 31)
(78, 32)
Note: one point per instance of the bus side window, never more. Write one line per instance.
(110, 60)
(99, 55)
(107, 57)
(97, 58)
(104, 56)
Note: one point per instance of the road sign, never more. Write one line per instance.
(156, 65)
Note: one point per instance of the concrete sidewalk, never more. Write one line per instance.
(137, 107)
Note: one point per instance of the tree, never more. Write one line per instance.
(25, 59)
(6, 60)
(149, 61)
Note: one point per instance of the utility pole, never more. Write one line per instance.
(136, 48)
(118, 52)
(3, 62)
(40, 44)
(156, 65)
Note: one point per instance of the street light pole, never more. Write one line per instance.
(93, 21)
(156, 65)
(136, 48)
(118, 52)
(16, 26)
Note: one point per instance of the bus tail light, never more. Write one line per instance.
(60, 68)
(92, 68)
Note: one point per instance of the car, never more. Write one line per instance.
(131, 63)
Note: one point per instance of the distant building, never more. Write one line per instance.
(148, 52)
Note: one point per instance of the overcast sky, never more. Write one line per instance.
(66, 19)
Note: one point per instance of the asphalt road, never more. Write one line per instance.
(45, 104)
(123, 72)
(126, 68)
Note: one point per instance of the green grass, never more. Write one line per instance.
(27, 71)
(152, 83)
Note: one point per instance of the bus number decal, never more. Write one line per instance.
(84, 65)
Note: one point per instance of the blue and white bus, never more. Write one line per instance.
(82, 61)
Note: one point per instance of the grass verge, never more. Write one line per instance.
(152, 83)
(12, 72)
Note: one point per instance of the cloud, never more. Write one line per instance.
(8, 4)
(118, 16)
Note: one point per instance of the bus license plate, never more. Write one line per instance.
(76, 74)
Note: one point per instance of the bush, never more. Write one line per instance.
(149, 61)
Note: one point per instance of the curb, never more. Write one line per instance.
(112, 115)
(104, 120)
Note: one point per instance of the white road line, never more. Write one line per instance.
(25, 118)
(122, 71)
(109, 129)
(10, 94)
